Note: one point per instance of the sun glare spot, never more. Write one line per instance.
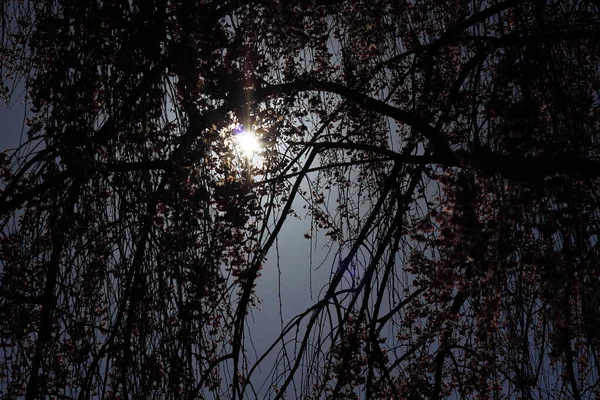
(247, 143)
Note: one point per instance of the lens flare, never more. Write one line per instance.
(247, 143)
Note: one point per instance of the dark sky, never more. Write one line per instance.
(11, 121)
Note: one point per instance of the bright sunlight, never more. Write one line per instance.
(247, 143)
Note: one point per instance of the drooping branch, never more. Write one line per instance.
(59, 236)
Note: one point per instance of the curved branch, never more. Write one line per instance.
(440, 146)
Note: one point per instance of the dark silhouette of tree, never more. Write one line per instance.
(446, 151)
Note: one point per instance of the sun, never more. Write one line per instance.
(247, 143)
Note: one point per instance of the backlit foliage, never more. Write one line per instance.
(444, 152)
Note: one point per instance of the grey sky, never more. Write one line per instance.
(11, 121)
